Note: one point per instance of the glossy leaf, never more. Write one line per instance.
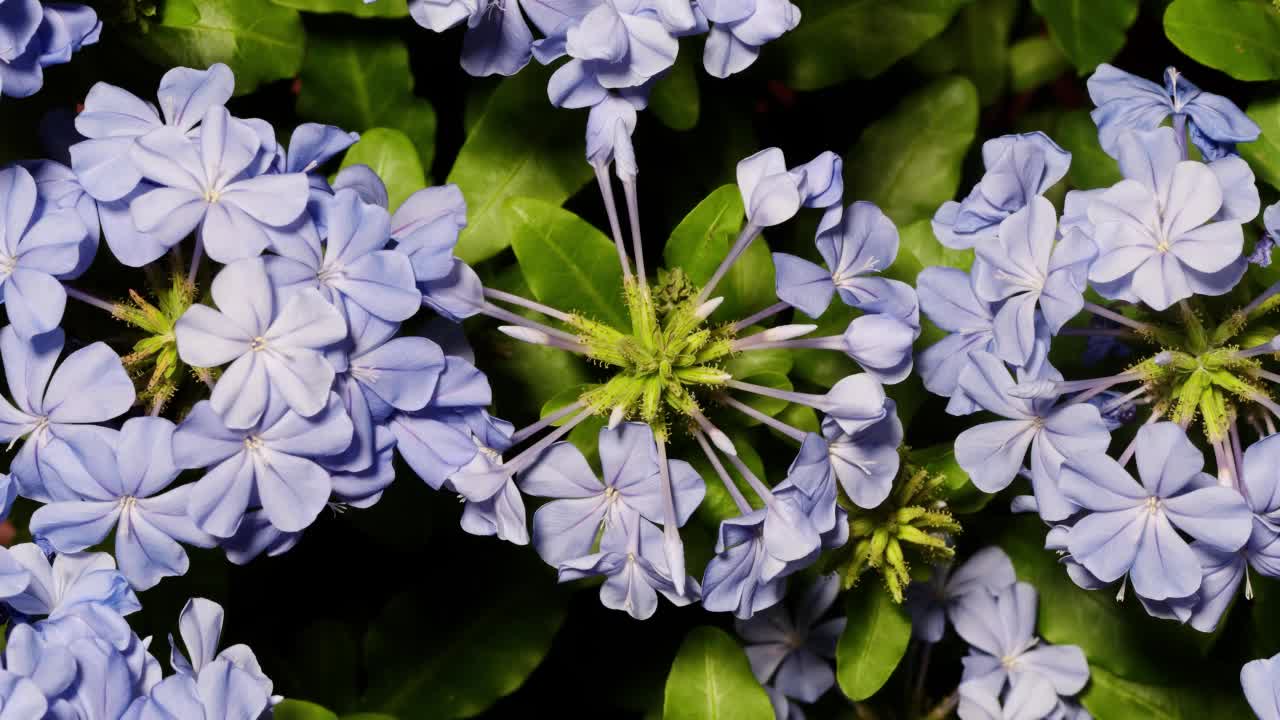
(1035, 61)
(675, 98)
(358, 8)
(1088, 31)
(918, 240)
(873, 643)
(371, 75)
(701, 241)
(1264, 153)
(1090, 166)
(961, 496)
(1237, 37)
(908, 162)
(260, 41)
(711, 680)
(422, 667)
(291, 709)
(392, 155)
(842, 39)
(977, 46)
(568, 263)
(1111, 696)
(547, 163)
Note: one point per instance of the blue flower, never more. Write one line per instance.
(988, 570)
(1032, 276)
(739, 28)
(354, 269)
(992, 453)
(256, 535)
(566, 528)
(56, 411)
(220, 691)
(1127, 102)
(439, 439)
(1261, 682)
(378, 375)
(734, 579)
(1172, 227)
(114, 119)
(1261, 254)
(865, 462)
(617, 45)
(130, 476)
(37, 249)
(1004, 651)
(1019, 168)
(632, 560)
(864, 242)
(105, 685)
(20, 699)
(795, 650)
(274, 346)
(81, 585)
(58, 189)
(273, 462)
(986, 698)
(1132, 528)
(211, 186)
(772, 194)
(34, 36)
(498, 40)
(200, 627)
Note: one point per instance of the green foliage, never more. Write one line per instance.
(908, 162)
(568, 263)
(961, 495)
(1237, 37)
(1111, 696)
(260, 41)
(701, 241)
(711, 680)
(1264, 154)
(422, 667)
(546, 164)
(675, 98)
(1088, 31)
(392, 155)
(358, 8)
(976, 45)
(291, 709)
(842, 39)
(874, 641)
(1034, 61)
(1090, 166)
(371, 75)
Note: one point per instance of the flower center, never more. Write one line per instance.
(253, 444)
(330, 273)
(1153, 505)
(258, 344)
(8, 264)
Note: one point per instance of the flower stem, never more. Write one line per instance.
(88, 299)
(943, 709)
(196, 254)
(611, 209)
(790, 431)
(528, 304)
(739, 500)
(505, 315)
(749, 233)
(1117, 317)
(637, 245)
(674, 548)
(525, 432)
(764, 314)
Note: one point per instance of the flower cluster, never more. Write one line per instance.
(301, 384)
(1166, 247)
(1009, 672)
(70, 653)
(35, 35)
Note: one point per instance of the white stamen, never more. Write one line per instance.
(705, 309)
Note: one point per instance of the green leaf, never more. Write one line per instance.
(546, 162)
(371, 74)
(701, 241)
(424, 668)
(1237, 37)
(962, 497)
(675, 97)
(711, 680)
(1111, 696)
(392, 155)
(1264, 153)
(1088, 31)
(302, 710)
(1035, 61)
(842, 39)
(358, 8)
(260, 42)
(918, 240)
(368, 716)
(325, 664)
(568, 263)
(908, 162)
(977, 45)
(1090, 166)
(1119, 637)
(873, 642)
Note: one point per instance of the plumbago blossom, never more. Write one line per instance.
(1166, 247)
(71, 653)
(664, 379)
(295, 375)
(35, 35)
